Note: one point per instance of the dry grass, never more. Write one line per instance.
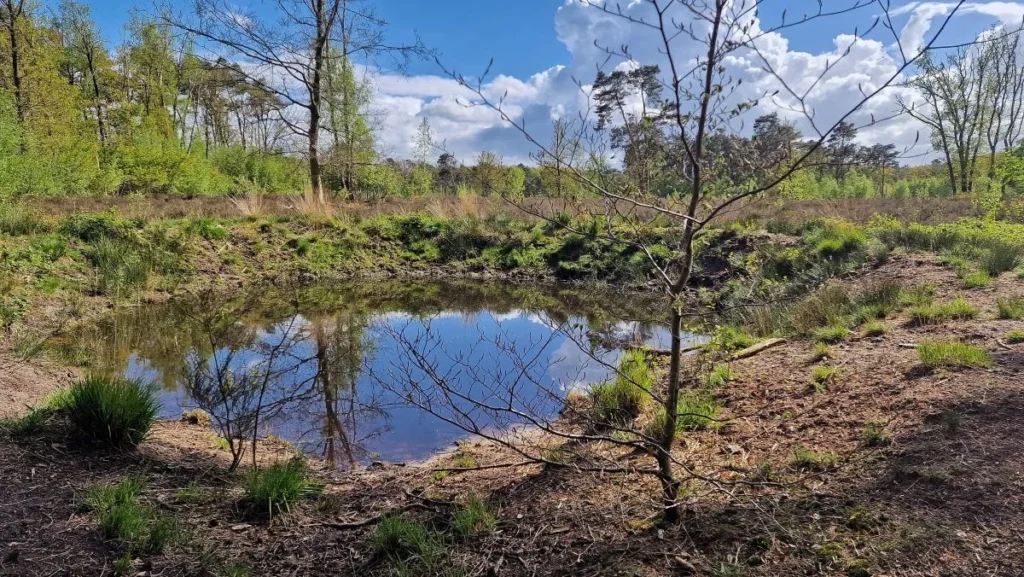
(250, 205)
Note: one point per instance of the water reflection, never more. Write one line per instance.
(320, 368)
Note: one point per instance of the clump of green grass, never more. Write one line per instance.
(38, 419)
(122, 267)
(831, 334)
(918, 296)
(719, 376)
(17, 219)
(881, 297)
(874, 435)
(805, 459)
(139, 529)
(1016, 336)
(821, 352)
(1010, 308)
(976, 279)
(957, 309)
(399, 538)
(837, 239)
(620, 401)
(473, 517)
(825, 307)
(728, 339)
(823, 377)
(117, 412)
(875, 329)
(464, 461)
(273, 490)
(953, 354)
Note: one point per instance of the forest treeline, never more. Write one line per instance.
(153, 115)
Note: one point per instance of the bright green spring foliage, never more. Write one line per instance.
(953, 355)
(117, 412)
(620, 401)
(273, 490)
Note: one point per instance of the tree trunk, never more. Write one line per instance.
(669, 484)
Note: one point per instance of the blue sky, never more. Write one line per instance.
(542, 47)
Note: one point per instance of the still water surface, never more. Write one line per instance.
(351, 372)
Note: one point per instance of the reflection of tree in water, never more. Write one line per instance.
(341, 346)
(292, 363)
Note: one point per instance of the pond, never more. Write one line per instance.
(388, 370)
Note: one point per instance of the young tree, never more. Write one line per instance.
(424, 147)
(842, 149)
(290, 53)
(696, 38)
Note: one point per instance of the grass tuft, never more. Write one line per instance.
(117, 412)
(824, 377)
(831, 334)
(272, 491)
(1015, 337)
(719, 376)
(1010, 308)
(874, 435)
(953, 354)
(139, 529)
(875, 329)
(976, 279)
(804, 459)
(473, 517)
(620, 401)
(958, 309)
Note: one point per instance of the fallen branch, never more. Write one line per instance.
(663, 352)
(758, 348)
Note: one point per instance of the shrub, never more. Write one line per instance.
(976, 279)
(874, 329)
(952, 354)
(93, 227)
(729, 339)
(1010, 308)
(1015, 336)
(837, 239)
(117, 412)
(473, 517)
(272, 490)
(999, 258)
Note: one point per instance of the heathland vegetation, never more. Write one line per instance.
(832, 387)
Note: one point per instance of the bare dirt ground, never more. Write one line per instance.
(943, 496)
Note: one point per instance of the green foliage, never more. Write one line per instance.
(825, 307)
(1010, 308)
(697, 411)
(835, 239)
(272, 491)
(976, 279)
(719, 376)
(730, 338)
(99, 226)
(139, 529)
(16, 219)
(953, 355)
(823, 377)
(922, 295)
(620, 401)
(831, 334)
(122, 267)
(958, 309)
(874, 435)
(1015, 336)
(473, 517)
(399, 538)
(875, 329)
(117, 412)
(804, 459)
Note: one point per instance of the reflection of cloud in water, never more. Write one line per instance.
(573, 368)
